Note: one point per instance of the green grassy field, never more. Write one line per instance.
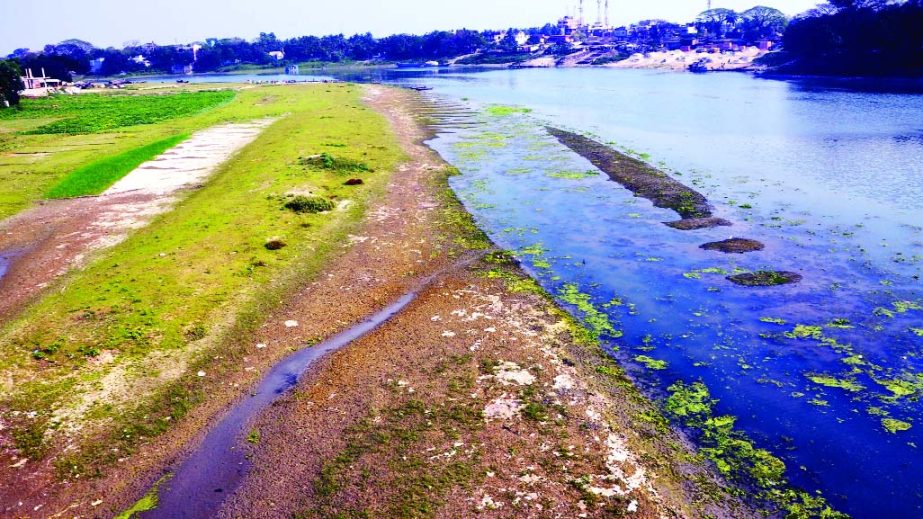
(33, 162)
(96, 177)
(176, 287)
(83, 114)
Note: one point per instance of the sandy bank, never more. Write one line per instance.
(677, 60)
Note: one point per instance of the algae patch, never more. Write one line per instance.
(146, 503)
(894, 426)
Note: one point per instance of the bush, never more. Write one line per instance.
(10, 83)
(309, 204)
(337, 165)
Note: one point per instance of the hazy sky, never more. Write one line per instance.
(29, 23)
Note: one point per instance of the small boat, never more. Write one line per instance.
(182, 80)
(419, 88)
(699, 67)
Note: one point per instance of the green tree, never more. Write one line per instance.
(10, 83)
(717, 22)
(763, 22)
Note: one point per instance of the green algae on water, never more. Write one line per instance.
(504, 110)
(840, 383)
(773, 320)
(895, 426)
(651, 363)
(574, 175)
(146, 503)
(737, 458)
(597, 321)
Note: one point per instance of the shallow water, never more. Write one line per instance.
(6, 259)
(830, 179)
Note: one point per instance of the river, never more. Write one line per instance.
(829, 178)
(826, 374)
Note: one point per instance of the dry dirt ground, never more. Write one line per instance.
(57, 235)
(474, 401)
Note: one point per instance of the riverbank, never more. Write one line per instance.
(524, 412)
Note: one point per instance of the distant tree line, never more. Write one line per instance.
(76, 57)
(754, 24)
(857, 37)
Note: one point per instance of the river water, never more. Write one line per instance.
(829, 175)
(830, 178)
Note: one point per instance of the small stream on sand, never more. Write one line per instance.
(826, 374)
(202, 481)
(218, 465)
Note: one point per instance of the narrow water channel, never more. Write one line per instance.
(200, 483)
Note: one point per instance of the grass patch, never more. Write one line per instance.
(33, 162)
(95, 178)
(94, 113)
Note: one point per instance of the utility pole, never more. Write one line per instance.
(580, 19)
(607, 14)
(709, 5)
(599, 12)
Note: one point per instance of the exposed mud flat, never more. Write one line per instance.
(642, 179)
(692, 224)
(58, 235)
(734, 246)
(766, 278)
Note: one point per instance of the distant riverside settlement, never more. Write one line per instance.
(821, 40)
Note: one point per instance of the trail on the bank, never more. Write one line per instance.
(58, 235)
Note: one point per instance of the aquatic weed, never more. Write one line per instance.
(651, 363)
(895, 426)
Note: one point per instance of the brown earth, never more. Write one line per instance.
(476, 400)
(734, 246)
